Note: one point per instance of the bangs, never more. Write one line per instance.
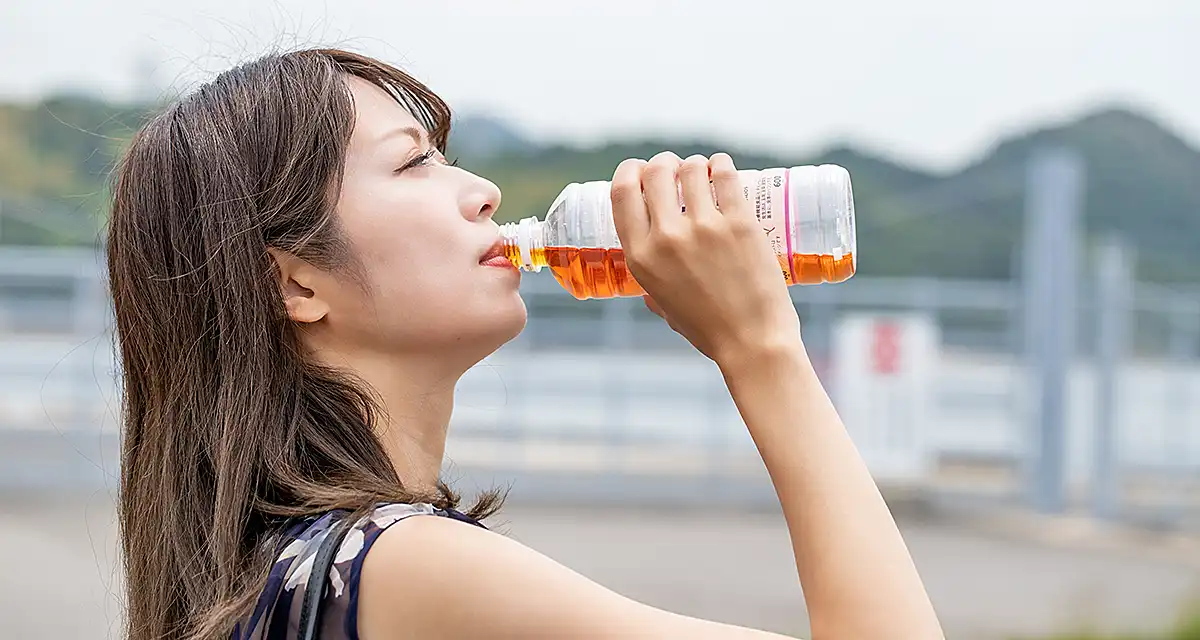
(425, 106)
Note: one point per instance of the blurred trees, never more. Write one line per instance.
(1143, 181)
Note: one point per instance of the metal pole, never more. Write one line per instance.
(1114, 297)
(1052, 210)
(817, 329)
(1180, 451)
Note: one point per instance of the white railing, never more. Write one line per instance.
(605, 387)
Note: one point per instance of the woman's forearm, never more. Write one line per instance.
(858, 578)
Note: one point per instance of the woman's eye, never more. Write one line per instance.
(418, 161)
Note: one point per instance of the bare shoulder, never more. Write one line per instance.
(432, 577)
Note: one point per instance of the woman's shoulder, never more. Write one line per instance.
(276, 614)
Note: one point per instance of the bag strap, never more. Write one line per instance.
(314, 591)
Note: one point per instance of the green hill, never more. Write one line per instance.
(55, 159)
(1142, 181)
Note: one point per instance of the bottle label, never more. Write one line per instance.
(769, 191)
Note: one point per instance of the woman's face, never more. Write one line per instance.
(418, 230)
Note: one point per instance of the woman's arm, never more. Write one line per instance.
(431, 577)
(715, 280)
(857, 576)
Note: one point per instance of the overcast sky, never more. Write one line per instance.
(930, 81)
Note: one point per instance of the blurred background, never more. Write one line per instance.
(1018, 357)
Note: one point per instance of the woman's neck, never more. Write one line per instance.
(416, 397)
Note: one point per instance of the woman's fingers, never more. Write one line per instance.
(628, 205)
(662, 192)
(727, 185)
(697, 190)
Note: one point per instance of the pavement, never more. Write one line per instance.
(992, 577)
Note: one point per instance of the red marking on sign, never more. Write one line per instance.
(885, 348)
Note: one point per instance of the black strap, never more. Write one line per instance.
(454, 514)
(314, 591)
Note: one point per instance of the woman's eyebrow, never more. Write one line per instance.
(417, 135)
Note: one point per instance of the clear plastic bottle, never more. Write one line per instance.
(807, 212)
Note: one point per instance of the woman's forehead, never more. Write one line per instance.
(379, 119)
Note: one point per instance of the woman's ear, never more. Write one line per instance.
(300, 285)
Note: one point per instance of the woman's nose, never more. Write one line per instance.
(484, 199)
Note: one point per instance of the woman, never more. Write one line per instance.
(300, 278)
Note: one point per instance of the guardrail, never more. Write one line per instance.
(602, 396)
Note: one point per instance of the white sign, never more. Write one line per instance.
(884, 367)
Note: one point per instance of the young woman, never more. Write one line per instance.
(300, 278)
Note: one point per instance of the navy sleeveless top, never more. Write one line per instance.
(276, 616)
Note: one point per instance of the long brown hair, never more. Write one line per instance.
(228, 429)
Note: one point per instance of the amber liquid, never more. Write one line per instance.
(818, 268)
(592, 273)
(602, 273)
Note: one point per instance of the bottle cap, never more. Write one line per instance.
(837, 203)
(823, 194)
(525, 242)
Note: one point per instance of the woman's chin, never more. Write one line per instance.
(498, 325)
(513, 321)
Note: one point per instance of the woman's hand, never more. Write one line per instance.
(712, 274)
(706, 266)
(710, 271)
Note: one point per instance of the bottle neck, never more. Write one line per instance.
(525, 243)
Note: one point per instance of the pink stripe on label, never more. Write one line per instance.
(787, 218)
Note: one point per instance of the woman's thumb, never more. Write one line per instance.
(653, 307)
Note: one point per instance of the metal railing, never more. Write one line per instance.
(601, 395)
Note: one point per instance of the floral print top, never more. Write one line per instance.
(276, 616)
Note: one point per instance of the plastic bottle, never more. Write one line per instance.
(807, 212)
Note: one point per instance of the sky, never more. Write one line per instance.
(931, 82)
